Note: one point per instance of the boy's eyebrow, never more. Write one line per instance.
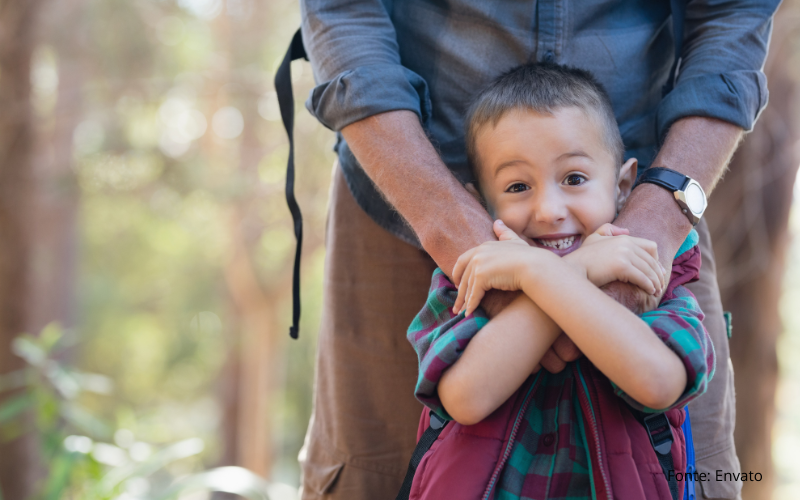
(571, 154)
(506, 164)
(568, 154)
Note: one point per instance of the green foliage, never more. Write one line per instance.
(80, 461)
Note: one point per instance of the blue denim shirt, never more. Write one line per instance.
(432, 56)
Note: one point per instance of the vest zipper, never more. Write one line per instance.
(510, 443)
(593, 424)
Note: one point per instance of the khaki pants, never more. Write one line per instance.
(365, 417)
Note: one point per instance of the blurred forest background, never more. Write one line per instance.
(145, 254)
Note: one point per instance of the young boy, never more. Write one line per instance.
(547, 157)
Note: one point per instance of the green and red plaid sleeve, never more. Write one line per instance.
(678, 322)
(440, 337)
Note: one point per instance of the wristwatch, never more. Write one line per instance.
(687, 191)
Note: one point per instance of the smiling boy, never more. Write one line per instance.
(548, 161)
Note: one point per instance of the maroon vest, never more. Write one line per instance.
(465, 462)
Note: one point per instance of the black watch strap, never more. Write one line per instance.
(664, 177)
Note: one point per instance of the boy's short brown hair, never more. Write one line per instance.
(543, 88)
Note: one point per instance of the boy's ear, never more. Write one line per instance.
(625, 181)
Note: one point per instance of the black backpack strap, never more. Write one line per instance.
(678, 14)
(423, 445)
(283, 87)
(660, 434)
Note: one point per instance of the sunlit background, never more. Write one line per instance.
(157, 361)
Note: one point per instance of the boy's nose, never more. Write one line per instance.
(549, 206)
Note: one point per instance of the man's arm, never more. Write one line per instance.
(394, 151)
(698, 147)
(399, 158)
(352, 44)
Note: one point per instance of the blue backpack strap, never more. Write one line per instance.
(283, 87)
(689, 491)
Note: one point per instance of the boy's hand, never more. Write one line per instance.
(610, 254)
(497, 265)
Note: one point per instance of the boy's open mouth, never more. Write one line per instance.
(559, 244)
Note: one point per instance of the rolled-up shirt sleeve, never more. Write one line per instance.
(720, 76)
(352, 46)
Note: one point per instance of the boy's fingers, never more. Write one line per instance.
(605, 230)
(503, 232)
(652, 260)
(609, 229)
(467, 282)
(616, 230)
(462, 289)
(461, 263)
(646, 245)
(649, 270)
(475, 297)
(637, 277)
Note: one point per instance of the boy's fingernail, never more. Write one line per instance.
(501, 222)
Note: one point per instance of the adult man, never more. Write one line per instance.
(395, 80)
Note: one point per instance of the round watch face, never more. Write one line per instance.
(695, 198)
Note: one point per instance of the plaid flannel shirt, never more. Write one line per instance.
(550, 458)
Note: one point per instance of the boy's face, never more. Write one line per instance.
(551, 178)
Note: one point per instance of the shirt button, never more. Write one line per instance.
(549, 56)
(548, 439)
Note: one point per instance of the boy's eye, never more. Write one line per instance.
(517, 187)
(575, 180)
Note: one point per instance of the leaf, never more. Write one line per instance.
(58, 477)
(26, 348)
(50, 335)
(85, 421)
(15, 405)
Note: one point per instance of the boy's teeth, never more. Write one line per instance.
(560, 243)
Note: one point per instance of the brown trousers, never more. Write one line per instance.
(363, 429)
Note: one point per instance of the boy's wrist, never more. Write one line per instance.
(545, 266)
(575, 260)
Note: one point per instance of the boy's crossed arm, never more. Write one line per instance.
(560, 294)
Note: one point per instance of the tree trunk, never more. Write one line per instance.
(56, 194)
(748, 217)
(17, 39)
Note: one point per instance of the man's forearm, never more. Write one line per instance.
(400, 159)
(698, 147)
